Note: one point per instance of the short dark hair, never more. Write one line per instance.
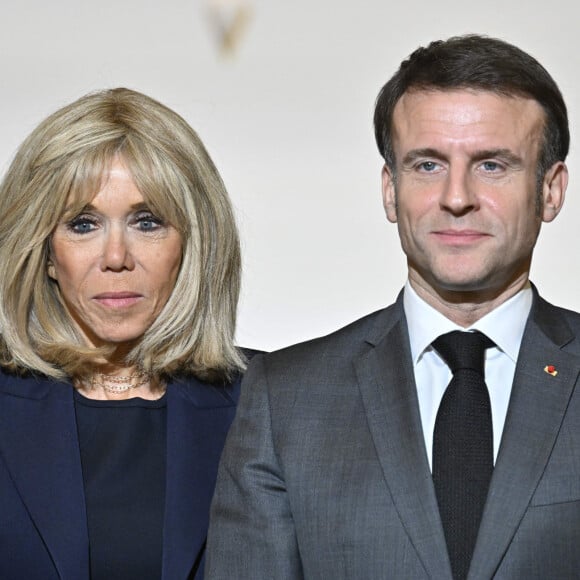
(481, 63)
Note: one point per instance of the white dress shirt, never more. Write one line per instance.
(504, 325)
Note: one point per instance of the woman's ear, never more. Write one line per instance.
(50, 269)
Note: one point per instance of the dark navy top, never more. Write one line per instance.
(123, 453)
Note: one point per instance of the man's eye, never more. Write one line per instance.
(428, 166)
(491, 166)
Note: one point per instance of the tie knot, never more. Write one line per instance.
(463, 350)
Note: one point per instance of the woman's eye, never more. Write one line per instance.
(82, 225)
(148, 222)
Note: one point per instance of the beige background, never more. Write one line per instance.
(288, 122)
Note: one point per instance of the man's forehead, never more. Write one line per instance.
(432, 94)
(467, 111)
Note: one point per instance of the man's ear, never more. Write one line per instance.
(554, 187)
(389, 194)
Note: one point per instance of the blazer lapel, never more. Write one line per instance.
(39, 443)
(198, 418)
(537, 407)
(389, 395)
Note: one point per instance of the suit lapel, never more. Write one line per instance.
(389, 395)
(39, 443)
(198, 418)
(537, 407)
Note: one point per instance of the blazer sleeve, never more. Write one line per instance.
(251, 534)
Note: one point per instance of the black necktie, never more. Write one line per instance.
(463, 445)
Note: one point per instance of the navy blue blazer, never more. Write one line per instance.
(43, 524)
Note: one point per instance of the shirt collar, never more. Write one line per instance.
(504, 325)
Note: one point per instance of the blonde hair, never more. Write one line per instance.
(65, 158)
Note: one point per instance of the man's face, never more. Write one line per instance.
(465, 193)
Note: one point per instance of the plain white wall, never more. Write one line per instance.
(288, 123)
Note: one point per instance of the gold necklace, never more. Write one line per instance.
(117, 384)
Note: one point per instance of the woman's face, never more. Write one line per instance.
(115, 262)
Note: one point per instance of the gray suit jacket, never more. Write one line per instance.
(325, 474)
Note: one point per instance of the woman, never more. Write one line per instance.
(120, 276)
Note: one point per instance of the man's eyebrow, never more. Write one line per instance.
(415, 154)
(505, 155)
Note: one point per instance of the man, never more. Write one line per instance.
(370, 453)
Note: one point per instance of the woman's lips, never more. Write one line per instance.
(117, 299)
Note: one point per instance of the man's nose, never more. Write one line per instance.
(459, 195)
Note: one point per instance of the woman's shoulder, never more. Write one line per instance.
(27, 385)
(206, 393)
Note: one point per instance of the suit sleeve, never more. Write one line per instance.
(252, 533)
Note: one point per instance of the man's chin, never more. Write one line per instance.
(464, 287)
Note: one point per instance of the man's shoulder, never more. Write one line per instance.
(572, 317)
(339, 347)
(557, 324)
(549, 314)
